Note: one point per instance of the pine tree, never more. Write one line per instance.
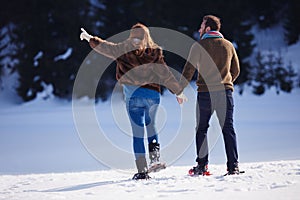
(291, 23)
(3, 46)
(7, 48)
(270, 71)
(49, 50)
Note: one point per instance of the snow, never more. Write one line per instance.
(38, 56)
(9, 49)
(267, 180)
(98, 4)
(271, 40)
(42, 157)
(64, 56)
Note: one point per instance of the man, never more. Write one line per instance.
(217, 64)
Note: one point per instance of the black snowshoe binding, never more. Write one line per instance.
(233, 170)
(141, 165)
(142, 175)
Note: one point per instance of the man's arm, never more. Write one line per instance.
(235, 66)
(190, 66)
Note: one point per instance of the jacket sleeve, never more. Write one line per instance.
(109, 49)
(166, 77)
(235, 66)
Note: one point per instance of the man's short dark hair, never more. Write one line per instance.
(213, 22)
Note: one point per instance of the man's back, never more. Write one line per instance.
(224, 58)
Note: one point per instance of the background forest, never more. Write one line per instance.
(39, 39)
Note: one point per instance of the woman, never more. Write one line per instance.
(141, 70)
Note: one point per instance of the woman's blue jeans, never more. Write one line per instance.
(142, 113)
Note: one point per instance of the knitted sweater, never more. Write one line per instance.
(217, 64)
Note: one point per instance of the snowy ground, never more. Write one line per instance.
(37, 137)
(42, 157)
(264, 180)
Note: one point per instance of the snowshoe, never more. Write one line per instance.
(155, 167)
(199, 170)
(140, 176)
(234, 171)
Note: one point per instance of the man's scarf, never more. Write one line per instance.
(212, 34)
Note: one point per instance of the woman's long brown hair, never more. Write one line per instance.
(147, 42)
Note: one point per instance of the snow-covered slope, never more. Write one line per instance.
(271, 40)
(264, 180)
(37, 137)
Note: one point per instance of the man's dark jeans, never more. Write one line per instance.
(222, 103)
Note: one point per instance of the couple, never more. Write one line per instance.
(142, 70)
